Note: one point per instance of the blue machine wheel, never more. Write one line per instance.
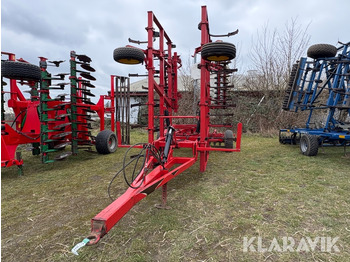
(309, 145)
(321, 51)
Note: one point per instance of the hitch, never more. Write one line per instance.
(98, 230)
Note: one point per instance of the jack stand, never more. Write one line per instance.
(20, 167)
(164, 197)
(20, 170)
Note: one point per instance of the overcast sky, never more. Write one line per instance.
(32, 28)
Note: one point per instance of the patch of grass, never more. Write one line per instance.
(267, 190)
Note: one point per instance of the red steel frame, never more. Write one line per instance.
(184, 136)
(30, 131)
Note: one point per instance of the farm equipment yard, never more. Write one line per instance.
(71, 188)
(266, 190)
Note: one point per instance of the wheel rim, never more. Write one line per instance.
(218, 58)
(303, 146)
(129, 61)
(112, 142)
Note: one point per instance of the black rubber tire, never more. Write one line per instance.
(218, 51)
(106, 142)
(128, 55)
(228, 139)
(281, 138)
(294, 139)
(321, 51)
(20, 71)
(309, 145)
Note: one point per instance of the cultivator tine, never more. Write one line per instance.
(62, 145)
(53, 140)
(85, 125)
(81, 71)
(88, 118)
(63, 156)
(65, 94)
(221, 99)
(137, 104)
(84, 58)
(85, 118)
(228, 70)
(223, 87)
(61, 97)
(61, 135)
(87, 83)
(56, 63)
(87, 101)
(84, 131)
(89, 110)
(60, 126)
(62, 75)
(137, 41)
(22, 82)
(61, 116)
(88, 67)
(81, 141)
(88, 93)
(84, 115)
(228, 34)
(58, 86)
(61, 106)
(88, 76)
(86, 142)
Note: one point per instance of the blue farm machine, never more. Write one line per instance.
(320, 86)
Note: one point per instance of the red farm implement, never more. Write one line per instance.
(51, 123)
(156, 163)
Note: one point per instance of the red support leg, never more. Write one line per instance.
(163, 205)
